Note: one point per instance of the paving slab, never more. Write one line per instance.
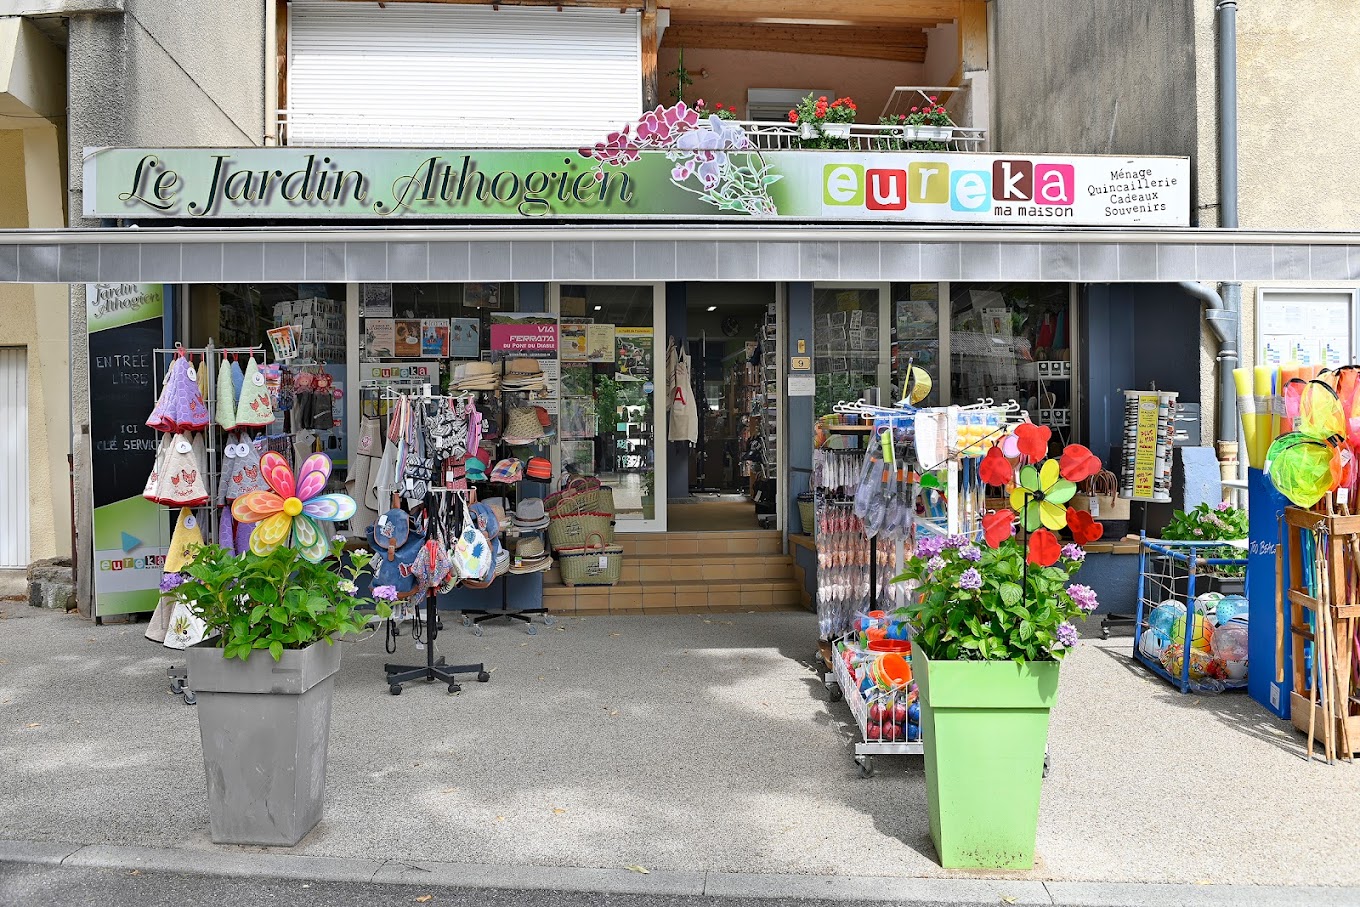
(690, 743)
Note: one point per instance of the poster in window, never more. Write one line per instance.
(380, 338)
(634, 352)
(482, 295)
(465, 338)
(375, 300)
(408, 338)
(573, 339)
(600, 343)
(434, 337)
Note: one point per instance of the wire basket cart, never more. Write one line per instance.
(842, 685)
(1178, 572)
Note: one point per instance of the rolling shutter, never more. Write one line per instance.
(466, 76)
(14, 490)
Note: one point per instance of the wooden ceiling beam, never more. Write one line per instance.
(621, 5)
(904, 44)
(885, 12)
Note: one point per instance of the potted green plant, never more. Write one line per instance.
(822, 123)
(1203, 523)
(264, 678)
(990, 623)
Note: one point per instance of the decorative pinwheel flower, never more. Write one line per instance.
(292, 508)
(1042, 496)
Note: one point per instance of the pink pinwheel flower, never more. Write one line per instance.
(292, 508)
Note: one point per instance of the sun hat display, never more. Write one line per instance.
(523, 374)
(254, 410)
(530, 515)
(476, 469)
(497, 506)
(226, 397)
(475, 376)
(184, 542)
(180, 407)
(539, 468)
(508, 471)
(522, 426)
(180, 480)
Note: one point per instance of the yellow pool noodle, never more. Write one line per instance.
(1261, 389)
(1242, 377)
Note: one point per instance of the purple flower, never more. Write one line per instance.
(955, 541)
(929, 546)
(971, 553)
(171, 581)
(1084, 596)
(935, 563)
(1222, 506)
(385, 593)
(1074, 553)
(970, 579)
(1067, 635)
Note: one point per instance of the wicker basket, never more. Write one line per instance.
(596, 564)
(807, 512)
(581, 495)
(576, 530)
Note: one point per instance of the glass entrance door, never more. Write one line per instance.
(613, 395)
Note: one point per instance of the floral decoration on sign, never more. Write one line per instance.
(711, 156)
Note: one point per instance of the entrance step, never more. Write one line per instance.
(751, 541)
(674, 596)
(659, 568)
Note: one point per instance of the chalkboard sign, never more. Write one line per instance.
(130, 532)
(123, 388)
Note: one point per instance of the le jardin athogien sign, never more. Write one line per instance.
(706, 177)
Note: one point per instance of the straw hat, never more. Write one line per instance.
(184, 542)
(529, 514)
(522, 426)
(475, 376)
(254, 410)
(180, 406)
(523, 374)
(530, 556)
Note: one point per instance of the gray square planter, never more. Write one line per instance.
(264, 726)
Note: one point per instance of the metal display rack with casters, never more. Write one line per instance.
(842, 685)
(433, 669)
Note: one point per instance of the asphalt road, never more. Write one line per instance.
(32, 885)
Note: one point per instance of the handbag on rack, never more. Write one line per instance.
(473, 558)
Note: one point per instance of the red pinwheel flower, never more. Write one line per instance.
(1083, 526)
(1044, 550)
(995, 469)
(1078, 463)
(1033, 440)
(998, 526)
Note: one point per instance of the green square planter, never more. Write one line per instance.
(984, 725)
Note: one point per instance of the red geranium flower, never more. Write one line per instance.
(1078, 463)
(1083, 526)
(1044, 549)
(998, 526)
(1032, 440)
(995, 469)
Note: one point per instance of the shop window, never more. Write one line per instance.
(845, 343)
(241, 316)
(916, 336)
(609, 377)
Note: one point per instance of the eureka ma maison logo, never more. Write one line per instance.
(1016, 184)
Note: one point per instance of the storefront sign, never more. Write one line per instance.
(682, 183)
(528, 334)
(125, 327)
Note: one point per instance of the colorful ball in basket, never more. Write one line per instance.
(1152, 643)
(1229, 641)
(1174, 661)
(1164, 615)
(1206, 601)
(1231, 607)
(1200, 632)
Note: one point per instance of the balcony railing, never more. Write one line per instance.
(763, 135)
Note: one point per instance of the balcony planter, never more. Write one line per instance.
(934, 133)
(984, 725)
(265, 726)
(807, 130)
(837, 130)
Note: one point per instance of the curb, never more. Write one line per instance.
(474, 876)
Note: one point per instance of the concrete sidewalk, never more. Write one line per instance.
(684, 744)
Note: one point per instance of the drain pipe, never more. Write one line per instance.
(1226, 321)
(1223, 319)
